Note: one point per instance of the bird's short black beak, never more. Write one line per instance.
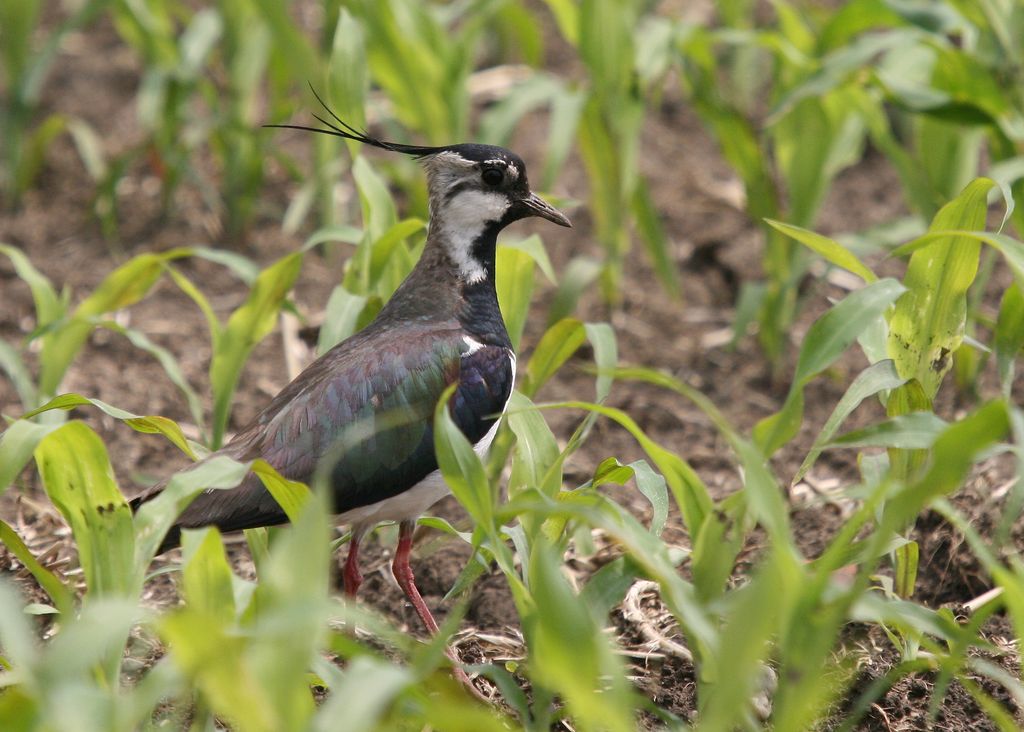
(534, 205)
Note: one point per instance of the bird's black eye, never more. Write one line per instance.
(493, 176)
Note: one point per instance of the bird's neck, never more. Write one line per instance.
(454, 280)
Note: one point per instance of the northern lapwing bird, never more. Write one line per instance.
(362, 414)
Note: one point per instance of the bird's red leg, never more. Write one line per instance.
(403, 573)
(351, 574)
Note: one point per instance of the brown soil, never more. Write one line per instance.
(715, 247)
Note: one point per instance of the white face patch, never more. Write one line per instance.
(463, 219)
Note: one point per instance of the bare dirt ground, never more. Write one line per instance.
(715, 248)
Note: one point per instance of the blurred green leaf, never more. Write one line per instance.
(653, 235)
(33, 151)
(20, 648)
(498, 122)
(291, 495)
(154, 517)
(566, 111)
(568, 653)
(805, 139)
(555, 347)
(830, 249)
(49, 305)
(341, 318)
(838, 65)
(1009, 335)
(125, 286)
(461, 466)
(876, 378)
(928, 322)
(384, 249)
(151, 425)
(536, 449)
(917, 430)
(365, 695)
(825, 341)
(206, 575)
(606, 356)
(342, 233)
(252, 669)
(514, 282)
(756, 610)
(246, 327)
(18, 373)
(578, 275)
(59, 593)
(17, 443)
(534, 246)
(689, 492)
(203, 648)
(78, 479)
(238, 264)
(567, 17)
(347, 72)
(378, 208)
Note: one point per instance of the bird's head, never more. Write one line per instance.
(475, 190)
(471, 183)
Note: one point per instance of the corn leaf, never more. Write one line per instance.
(461, 466)
(125, 286)
(154, 517)
(61, 595)
(826, 340)
(954, 451)
(17, 444)
(291, 495)
(18, 373)
(151, 425)
(536, 449)
(872, 380)
(555, 347)
(246, 327)
(206, 575)
(577, 660)
(341, 318)
(688, 490)
(917, 430)
(830, 249)
(928, 322)
(653, 235)
(1009, 335)
(514, 282)
(49, 305)
(606, 356)
(78, 479)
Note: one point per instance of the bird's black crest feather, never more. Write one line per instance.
(351, 133)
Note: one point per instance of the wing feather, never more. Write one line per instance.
(363, 412)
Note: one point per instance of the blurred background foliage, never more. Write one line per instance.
(793, 93)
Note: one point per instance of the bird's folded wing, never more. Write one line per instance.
(364, 417)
